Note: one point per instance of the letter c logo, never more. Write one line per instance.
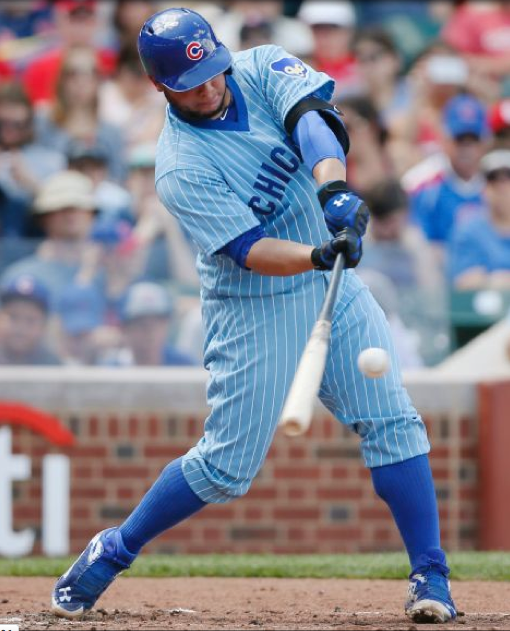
(194, 51)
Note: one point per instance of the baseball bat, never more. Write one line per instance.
(297, 411)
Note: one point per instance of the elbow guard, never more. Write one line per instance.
(328, 112)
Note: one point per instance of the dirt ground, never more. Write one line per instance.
(212, 603)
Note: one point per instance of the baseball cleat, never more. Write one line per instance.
(429, 598)
(104, 558)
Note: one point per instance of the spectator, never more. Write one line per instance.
(499, 122)
(65, 209)
(85, 338)
(76, 25)
(73, 115)
(24, 311)
(24, 163)
(480, 249)
(128, 16)
(380, 66)
(333, 25)
(25, 28)
(368, 160)
(407, 340)
(394, 246)
(481, 32)
(290, 33)
(168, 254)
(129, 101)
(146, 319)
(455, 194)
(436, 76)
(111, 199)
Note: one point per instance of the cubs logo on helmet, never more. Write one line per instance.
(291, 66)
(194, 51)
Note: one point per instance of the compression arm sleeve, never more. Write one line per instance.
(316, 140)
(238, 248)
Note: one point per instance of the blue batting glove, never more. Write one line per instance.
(343, 208)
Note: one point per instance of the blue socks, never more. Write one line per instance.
(169, 501)
(408, 489)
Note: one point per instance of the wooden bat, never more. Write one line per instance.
(297, 412)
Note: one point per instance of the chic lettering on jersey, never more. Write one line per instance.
(272, 180)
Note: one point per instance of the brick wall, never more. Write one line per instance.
(313, 494)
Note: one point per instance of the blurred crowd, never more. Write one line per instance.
(93, 271)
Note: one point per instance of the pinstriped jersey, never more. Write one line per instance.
(222, 178)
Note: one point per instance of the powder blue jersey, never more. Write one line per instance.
(221, 178)
(220, 183)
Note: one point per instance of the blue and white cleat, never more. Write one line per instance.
(429, 598)
(100, 563)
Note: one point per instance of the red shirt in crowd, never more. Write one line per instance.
(479, 30)
(40, 77)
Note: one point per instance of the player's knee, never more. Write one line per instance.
(214, 485)
(394, 440)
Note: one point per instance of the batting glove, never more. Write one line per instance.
(346, 242)
(342, 208)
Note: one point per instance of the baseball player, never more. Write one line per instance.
(251, 161)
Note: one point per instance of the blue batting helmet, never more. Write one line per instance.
(179, 49)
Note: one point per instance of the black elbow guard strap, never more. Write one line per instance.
(328, 112)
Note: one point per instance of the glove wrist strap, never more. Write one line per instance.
(328, 190)
(316, 259)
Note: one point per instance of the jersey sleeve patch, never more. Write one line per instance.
(290, 66)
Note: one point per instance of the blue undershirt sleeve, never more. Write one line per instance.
(316, 140)
(238, 248)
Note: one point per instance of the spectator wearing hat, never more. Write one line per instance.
(85, 337)
(454, 194)
(435, 77)
(333, 25)
(146, 320)
(65, 209)
(24, 313)
(76, 25)
(24, 163)
(480, 249)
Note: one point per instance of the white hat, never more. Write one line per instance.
(336, 13)
(146, 299)
(495, 160)
(66, 189)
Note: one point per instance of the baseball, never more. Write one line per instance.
(373, 362)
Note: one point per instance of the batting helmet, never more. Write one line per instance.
(179, 49)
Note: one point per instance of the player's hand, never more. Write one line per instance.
(343, 208)
(346, 242)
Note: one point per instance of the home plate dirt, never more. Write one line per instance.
(234, 603)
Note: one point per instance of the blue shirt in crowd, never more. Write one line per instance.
(444, 203)
(478, 244)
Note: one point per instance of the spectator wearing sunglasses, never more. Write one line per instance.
(24, 163)
(480, 249)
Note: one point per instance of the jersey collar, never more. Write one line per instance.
(242, 122)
